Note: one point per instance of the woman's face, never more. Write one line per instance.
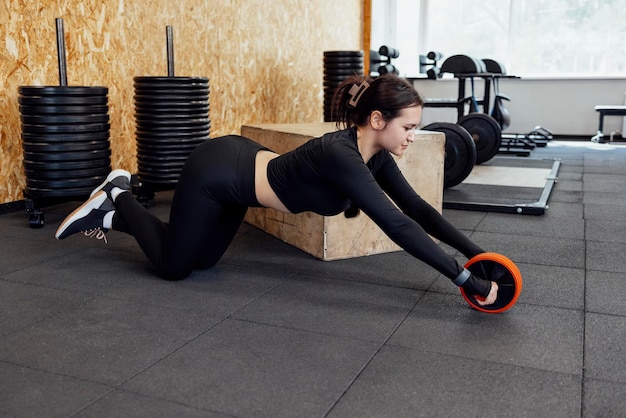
(399, 132)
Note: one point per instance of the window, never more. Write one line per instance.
(554, 38)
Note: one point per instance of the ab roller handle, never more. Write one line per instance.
(500, 269)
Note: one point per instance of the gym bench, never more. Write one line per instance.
(608, 110)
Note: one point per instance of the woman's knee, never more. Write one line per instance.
(173, 272)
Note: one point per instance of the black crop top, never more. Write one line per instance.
(326, 174)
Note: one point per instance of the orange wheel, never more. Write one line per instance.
(500, 269)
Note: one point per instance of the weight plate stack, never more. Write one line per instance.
(65, 139)
(172, 117)
(338, 65)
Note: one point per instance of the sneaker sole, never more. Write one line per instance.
(113, 174)
(83, 210)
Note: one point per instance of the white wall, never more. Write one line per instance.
(563, 106)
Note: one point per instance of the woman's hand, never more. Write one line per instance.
(491, 297)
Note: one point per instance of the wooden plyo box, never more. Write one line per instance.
(337, 237)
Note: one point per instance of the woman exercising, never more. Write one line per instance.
(352, 167)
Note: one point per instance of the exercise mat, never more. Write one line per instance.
(506, 185)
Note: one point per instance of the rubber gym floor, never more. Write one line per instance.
(87, 330)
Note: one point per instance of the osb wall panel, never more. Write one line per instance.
(263, 59)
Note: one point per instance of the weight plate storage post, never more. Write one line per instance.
(65, 139)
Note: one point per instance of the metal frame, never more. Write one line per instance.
(532, 208)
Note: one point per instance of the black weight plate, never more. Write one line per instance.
(151, 123)
(485, 132)
(331, 86)
(64, 137)
(65, 184)
(171, 173)
(49, 129)
(169, 112)
(158, 179)
(341, 75)
(64, 119)
(339, 53)
(176, 110)
(187, 104)
(167, 174)
(166, 98)
(156, 151)
(169, 91)
(173, 134)
(62, 100)
(329, 65)
(62, 91)
(337, 81)
(186, 147)
(67, 156)
(47, 192)
(165, 152)
(173, 87)
(170, 141)
(460, 152)
(161, 116)
(60, 109)
(329, 75)
(151, 165)
(157, 176)
(155, 129)
(351, 61)
(66, 174)
(170, 80)
(153, 160)
(65, 146)
(331, 68)
(163, 140)
(66, 165)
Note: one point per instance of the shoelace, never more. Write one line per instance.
(96, 233)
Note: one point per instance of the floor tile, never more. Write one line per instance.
(605, 292)
(22, 305)
(605, 230)
(553, 224)
(539, 337)
(104, 340)
(120, 403)
(603, 399)
(246, 369)
(339, 307)
(25, 392)
(401, 382)
(606, 256)
(604, 347)
(548, 251)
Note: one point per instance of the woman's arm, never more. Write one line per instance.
(345, 169)
(393, 182)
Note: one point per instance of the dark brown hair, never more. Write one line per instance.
(354, 101)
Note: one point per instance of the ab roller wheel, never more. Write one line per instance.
(497, 268)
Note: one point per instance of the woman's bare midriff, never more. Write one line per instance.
(264, 192)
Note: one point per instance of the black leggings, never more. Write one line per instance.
(214, 191)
